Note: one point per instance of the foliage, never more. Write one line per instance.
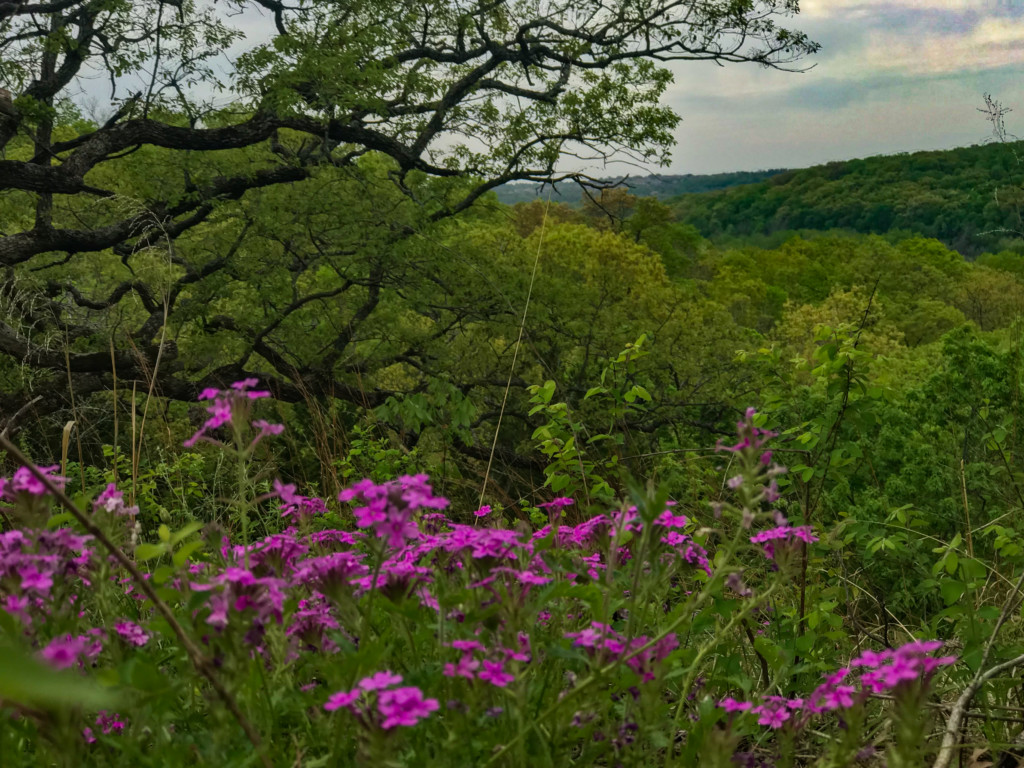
(968, 198)
(415, 639)
(124, 231)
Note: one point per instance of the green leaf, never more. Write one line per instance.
(187, 531)
(24, 680)
(952, 591)
(952, 561)
(145, 552)
(184, 552)
(162, 574)
(56, 521)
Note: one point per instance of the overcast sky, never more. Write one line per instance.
(892, 76)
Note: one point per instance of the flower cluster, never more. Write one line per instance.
(490, 668)
(378, 700)
(608, 644)
(257, 601)
(886, 672)
(782, 536)
(390, 508)
(296, 506)
(36, 565)
(68, 650)
(107, 722)
(132, 633)
(224, 403)
(24, 482)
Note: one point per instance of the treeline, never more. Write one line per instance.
(969, 198)
(661, 186)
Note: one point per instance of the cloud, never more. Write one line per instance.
(992, 43)
(832, 8)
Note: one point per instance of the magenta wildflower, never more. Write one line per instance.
(222, 406)
(404, 707)
(840, 697)
(465, 667)
(36, 581)
(109, 722)
(558, 503)
(295, 505)
(783, 535)
(23, 481)
(391, 508)
(668, 519)
(342, 699)
(495, 674)
(112, 501)
(63, 652)
(132, 633)
(731, 705)
(750, 437)
(266, 428)
(773, 717)
(379, 681)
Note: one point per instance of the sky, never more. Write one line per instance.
(892, 76)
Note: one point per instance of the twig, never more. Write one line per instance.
(202, 664)
(760, 659)
(18, 414)
(967, 511)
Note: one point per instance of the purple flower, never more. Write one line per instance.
(783, 535)
(840, 697)
(342, 699)
(731, 705)
(379, 681)
(466, 667)
(266, 428)
(109, 722)
(62, 652)
(24, 481)
(669, 520)
(404, 707)
(557, 503)
(495, 674)
(132, 632)
(222, 408)
(32, 579)
(772, 716)
(391, 507)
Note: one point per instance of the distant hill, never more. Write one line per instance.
(660, 186)
(971, 198)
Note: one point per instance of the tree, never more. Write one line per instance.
(485, 90)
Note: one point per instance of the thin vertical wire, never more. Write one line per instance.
(515, 352)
